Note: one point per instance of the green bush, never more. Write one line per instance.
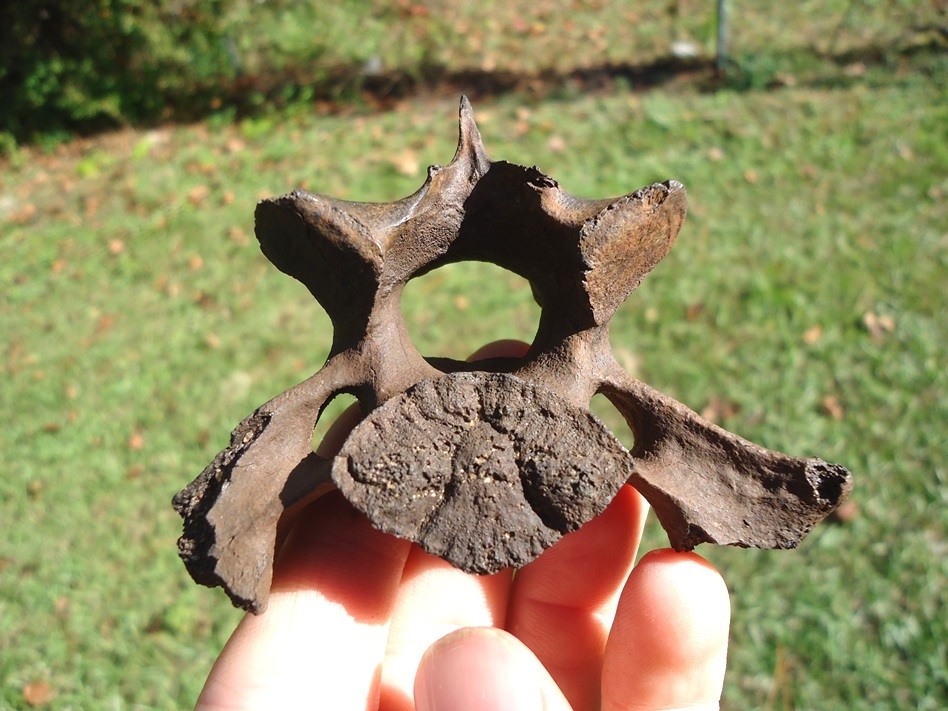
(81, 64)
(70, 66)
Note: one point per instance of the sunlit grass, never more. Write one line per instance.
(803, 307)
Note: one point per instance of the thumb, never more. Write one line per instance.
(484, 669)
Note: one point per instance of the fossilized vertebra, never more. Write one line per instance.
(484, 463)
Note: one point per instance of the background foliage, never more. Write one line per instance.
(85, 65)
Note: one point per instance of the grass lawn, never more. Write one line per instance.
(803, 308)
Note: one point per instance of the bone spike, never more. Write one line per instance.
(470, 146)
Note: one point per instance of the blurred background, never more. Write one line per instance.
(803, 306)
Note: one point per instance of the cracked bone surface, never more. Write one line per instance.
(487, 463)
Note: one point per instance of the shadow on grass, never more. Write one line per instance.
(354, 88)
(348, 88)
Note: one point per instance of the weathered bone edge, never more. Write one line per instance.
(485, 464)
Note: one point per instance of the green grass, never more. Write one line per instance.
(140, 323)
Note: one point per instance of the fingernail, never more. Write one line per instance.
(475, 669)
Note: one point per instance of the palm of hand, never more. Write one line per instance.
(361, 620)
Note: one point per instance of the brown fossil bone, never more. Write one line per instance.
(485, 464)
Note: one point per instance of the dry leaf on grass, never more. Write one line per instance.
(197, 194)
(847, 511)
(833, 408)
(136, 441)
(812, 335)
(406, 163)
(878, 325)
(719, 409)
(38, 693)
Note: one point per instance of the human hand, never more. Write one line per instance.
(358, 619)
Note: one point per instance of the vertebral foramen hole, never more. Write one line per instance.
(455, 309)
